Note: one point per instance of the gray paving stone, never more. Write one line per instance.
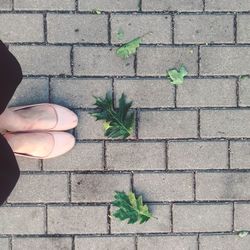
(226, 186)
(26, 164)
(155, 61)
(22, 220)
(4, 244)
(204, 29)
(39, 59)
(229, 242)
(197, 155)
(77, 219)
(225, 123)
(44, 5)
(84, 156)
(51, 243)
(101, 61)
(133, 156)
(240, 154)
(5, 5)
(227, 5)
(244, 92)
(104, 243)
(98, 187)
(170, 242)
(77, 27)
(78, 93)
(242, 217)
(28, 190)
(12, 27)
(160, 225)
(207, 93)
(139, 25)
(165, 187)
(108, 5)
(172, 5)
(202, 218)
(146, 93)
(23, 96)
(225, 60)
(243, 28)
(168, 124)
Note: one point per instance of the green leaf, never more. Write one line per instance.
(177, 76)
(97, 11)
(117, 123)
(243, 77)
(129, 48)
(120, 34)
(243, 234)
(130, 208)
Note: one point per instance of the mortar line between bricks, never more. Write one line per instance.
(136, 242)
(10, 242)
(76, 5)
(175, 95)
(172, 27)
(233, 216)
(73, 242)
(45, 31)
(199, 123)
(49, 94)
(235, 28)
(198, 242)
(12, 5)
(204, 6)
(199, 60)
(109, 29)
(135, 64)
(72, 60)
(132, 182)
(194, 185)
(166, 154)
(109, 219)
(238, 92)
(171, 218)
(69, 187)
(46, 220)
(137, 121)
(229, 154)
(104, 156)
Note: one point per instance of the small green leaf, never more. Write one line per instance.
(177, 76)
(243, 77)
(243, 234)
(120, 34)
(97, 11)
(129, 48)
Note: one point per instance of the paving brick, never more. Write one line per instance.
(77, 28)
(4, 244)
(225, 123)
(229, 242)
(197, 155)
(225, 60)
(202, 218)
(204, 29)
(243, 28)
(207, 93)
(40, 92)
(160, 225)
(44, 5)
(22, 220)
(133, 156)
(172, 5)
(108, 5)
(5, 5)
(51, 243)
(101, 61)
(12, 27)
(226, 186)
(28, 190)
(98, 187)
(244, 92)
(139, 25)
(78, 93)
(241, 216)
(39, 59)
(26, 164)
(227, 5)
(146, 93)
(168, 124)
(165, 187)
(155, 61)
(105, 243)
(172, 242)
(84, 156)
(77, 219)
(240, 154)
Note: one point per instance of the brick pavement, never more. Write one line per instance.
(190, 153)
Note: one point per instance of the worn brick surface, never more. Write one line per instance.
(156, 61)
(242, 222)
(77, 28)
(225, 123)
(165, 187)
(240, 154)
(244, 92)
(225, 60)
(204, 29)
(243, 28)
(13, 25)
(207, 93)
(141, 156)
(227, 5)
(104, 243)
(146, 93)
(77, 219)
(168, 124)
(197, 155)
(78, 93)
(5, 5)
(52, 243)
(202, 218)
(22, 220)
(172, 242)
(138, 25)
(97, 187)
(4, 243)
